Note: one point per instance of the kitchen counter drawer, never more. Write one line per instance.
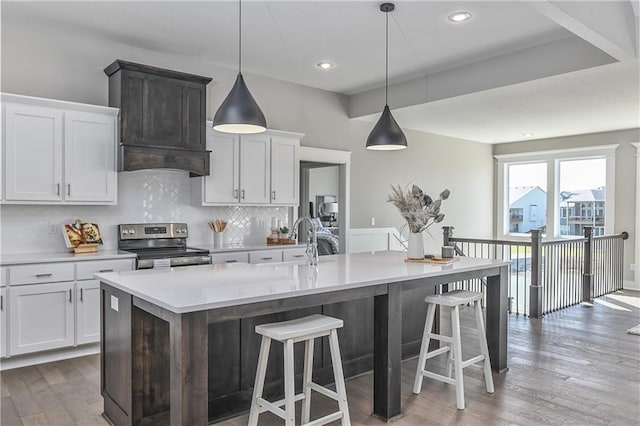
(294, 254)
(85, 270)
(237, 257)
(265, 256)
(41, 273)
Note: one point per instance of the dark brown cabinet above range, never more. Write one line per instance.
(162, 117)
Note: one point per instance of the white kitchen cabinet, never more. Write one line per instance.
(222, 186)
(3, 322)
(233, 257)
(89, 157)
(285, 170)
(33, 153)
(87, 311)
(58, 152)
(298, 253)
(41, 317)
(257, 169)
(265, 256)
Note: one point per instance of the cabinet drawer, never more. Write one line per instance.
(41, 273)
(294, 254)
(85, 270)
(236, 257)
(265, 256)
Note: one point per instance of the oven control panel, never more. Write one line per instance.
(145, 231)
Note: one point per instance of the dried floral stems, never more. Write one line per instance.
(218, 225)
(417, 208)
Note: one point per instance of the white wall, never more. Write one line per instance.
(40, 60)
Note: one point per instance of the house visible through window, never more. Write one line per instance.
(527, 197)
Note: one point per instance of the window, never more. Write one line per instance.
(527, 196)
(582, 183)
(560, 191)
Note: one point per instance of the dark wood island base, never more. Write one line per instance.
(160, 367)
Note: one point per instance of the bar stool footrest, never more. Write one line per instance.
(321, 389)
(446, 339)
(437, 352)
(324, 420)
(472, 361)
(440, 377)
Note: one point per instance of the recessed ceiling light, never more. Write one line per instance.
(527, 135)
(459, 16)
(325, 65)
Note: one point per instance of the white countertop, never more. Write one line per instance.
(196, 288)
(248, 247)
(26, 258)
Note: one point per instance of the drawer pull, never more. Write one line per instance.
(70, 295)
(266, 258)
(81, 294)
(106, 270)
(231, 261)
(43, 275)
(1, 303)
(299, 255)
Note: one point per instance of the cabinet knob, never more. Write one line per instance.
(1, 302)
(69, 189)
(243, 194)
(81, 294)
(273, 195)
(58, 190)
(70, 295)
(235, 193)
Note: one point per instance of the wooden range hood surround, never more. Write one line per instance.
(162, 117)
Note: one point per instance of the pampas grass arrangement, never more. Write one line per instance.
(417, 208)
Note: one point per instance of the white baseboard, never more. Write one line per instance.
(48, 356)
(631, 285)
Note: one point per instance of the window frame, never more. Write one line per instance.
(552, 158)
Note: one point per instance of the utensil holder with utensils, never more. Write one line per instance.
(218, 226)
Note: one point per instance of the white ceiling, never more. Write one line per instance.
(547, 68)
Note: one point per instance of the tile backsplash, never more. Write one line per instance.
(143, 196)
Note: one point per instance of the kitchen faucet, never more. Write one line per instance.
(312, 248)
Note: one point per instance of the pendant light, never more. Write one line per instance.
(386, 134)
(239, 113)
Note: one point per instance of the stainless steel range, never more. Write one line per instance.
(160, 244)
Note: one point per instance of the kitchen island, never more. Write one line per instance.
(178, 345)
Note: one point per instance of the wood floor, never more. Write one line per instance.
(576, 366)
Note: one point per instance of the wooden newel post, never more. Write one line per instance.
(447, 233)
(587, 276)
(535, 289)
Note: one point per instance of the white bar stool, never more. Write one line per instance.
(290, 332)
(453, 299)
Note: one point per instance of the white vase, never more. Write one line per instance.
(415, 246)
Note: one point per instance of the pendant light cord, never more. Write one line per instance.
(240, 37)
(386, 76)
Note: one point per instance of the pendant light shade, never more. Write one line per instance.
(239, 112)
(386, 134)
